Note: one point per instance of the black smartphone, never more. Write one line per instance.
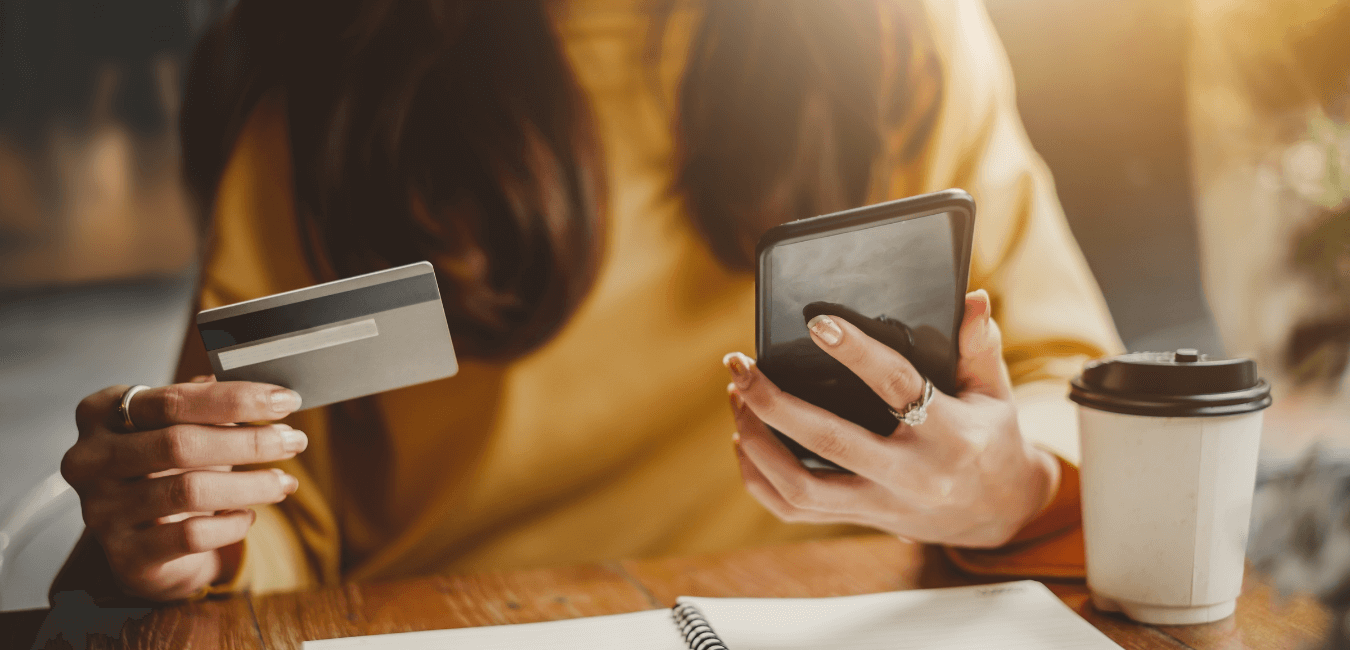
(897, 270)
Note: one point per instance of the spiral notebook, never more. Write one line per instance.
(1009, 616)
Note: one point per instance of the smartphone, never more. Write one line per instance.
(897, 270)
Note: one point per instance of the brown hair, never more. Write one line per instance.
(455, 131)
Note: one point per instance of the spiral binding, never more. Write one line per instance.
(698, 634)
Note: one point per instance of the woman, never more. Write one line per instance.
(589, 178)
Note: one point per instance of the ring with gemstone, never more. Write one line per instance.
(917, 411)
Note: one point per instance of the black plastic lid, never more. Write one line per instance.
(1184, 383)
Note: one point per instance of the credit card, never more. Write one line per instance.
(337, 340)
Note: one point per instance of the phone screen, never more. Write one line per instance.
(896, 280)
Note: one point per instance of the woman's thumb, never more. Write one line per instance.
(981, 368)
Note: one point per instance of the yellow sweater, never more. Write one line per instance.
(613, 440)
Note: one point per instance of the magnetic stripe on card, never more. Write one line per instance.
(298, 344)
(317, 312)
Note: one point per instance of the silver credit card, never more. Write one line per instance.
(338, 340)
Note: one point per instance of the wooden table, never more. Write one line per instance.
(823, 568)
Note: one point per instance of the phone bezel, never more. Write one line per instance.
(954, 201)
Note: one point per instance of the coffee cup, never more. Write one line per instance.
(1169, 448)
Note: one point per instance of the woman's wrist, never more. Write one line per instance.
(1042, 486)
(1046, 478)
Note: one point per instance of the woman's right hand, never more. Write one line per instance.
(162, 500)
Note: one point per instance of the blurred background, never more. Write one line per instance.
(1200, 149)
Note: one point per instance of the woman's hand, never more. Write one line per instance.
(965, 477)
(162, 500)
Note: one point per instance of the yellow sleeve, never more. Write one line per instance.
(1045, 300)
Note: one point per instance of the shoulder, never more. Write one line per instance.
(977, 77)
(960, 83)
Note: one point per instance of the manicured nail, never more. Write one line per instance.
(285, 401)
(739, 365)
(289, 484)
(825, 327)
(736, 402)
(985, 306)
(293, 441)
(736, 439)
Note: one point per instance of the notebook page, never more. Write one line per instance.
(1010, 616)
(650, 630)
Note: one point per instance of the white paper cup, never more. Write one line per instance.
(1167, 481)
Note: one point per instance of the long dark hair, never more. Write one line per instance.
(455, 131)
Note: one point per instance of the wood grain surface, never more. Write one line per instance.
(1264, 620)
(446, 602)
(226, 624)
(837, 567)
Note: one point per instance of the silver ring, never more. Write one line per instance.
(917, 411)
(124, 409)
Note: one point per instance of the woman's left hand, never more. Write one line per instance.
(965, 477)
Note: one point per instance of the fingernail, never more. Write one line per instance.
(739, 365)
(736, 402)
(293, 441)
(736, 439)
(289, 484)
(285, 401)
(985, 306)
(825, 327)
